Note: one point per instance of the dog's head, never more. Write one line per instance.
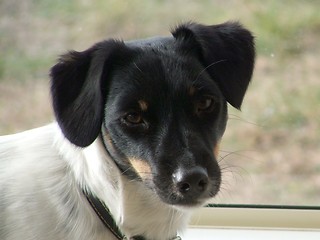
(159, 104)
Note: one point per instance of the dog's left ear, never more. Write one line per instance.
(78, 89)
(227, 53)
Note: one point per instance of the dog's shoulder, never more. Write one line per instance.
(27, 146)
(27, 158)
(30, 138)
(27, 163)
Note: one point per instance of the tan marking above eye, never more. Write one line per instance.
(192, 91)
(141, 167)
(143, 105)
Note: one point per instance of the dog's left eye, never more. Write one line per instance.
(204, 104)
(133, 118)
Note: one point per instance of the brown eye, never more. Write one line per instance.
(133, 118)
(205, 104)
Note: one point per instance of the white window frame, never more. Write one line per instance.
(258, 217)
(247, 222)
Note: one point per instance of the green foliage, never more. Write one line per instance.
(280, 24)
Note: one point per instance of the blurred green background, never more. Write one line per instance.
(270, 153)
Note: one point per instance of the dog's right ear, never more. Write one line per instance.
(227, 53)
(78, 88)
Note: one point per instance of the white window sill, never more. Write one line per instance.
(249, 234)
(250, 223)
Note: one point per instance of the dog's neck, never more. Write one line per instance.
(136, 209)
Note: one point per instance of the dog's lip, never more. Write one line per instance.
(191, 204)
(178, 201)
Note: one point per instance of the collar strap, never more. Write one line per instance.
(105, 216)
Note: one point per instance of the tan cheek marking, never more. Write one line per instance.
(143, 105)
(216, 150)
(141, 167)
(108, 140)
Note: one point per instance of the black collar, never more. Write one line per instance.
(103, 211)
(105, 216)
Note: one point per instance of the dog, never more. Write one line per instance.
(134, 148)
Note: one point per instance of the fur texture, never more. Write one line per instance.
(41, 195)
(138, 126)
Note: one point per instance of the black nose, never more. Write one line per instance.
(191, 181)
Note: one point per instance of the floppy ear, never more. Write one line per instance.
(226, 51)
(78, 89)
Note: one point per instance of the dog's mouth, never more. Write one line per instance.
(187, 187)
(193, 192)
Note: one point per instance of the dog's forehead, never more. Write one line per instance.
(159, 60)
(159, 68)
(159, 72)
(156, 43)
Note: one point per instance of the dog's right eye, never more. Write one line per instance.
(133, 118)
(205, 104)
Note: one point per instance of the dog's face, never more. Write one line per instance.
(160, 104)
(164, 118)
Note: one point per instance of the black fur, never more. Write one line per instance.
(78, 90)
(102, 87)
(227, 51)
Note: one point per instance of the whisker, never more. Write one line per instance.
(237, 153)
(210, 65)
(171, 217)
(237, 173)
(147, 173)
(231, 175)
(223, 195)
(237, 118)
(137, 67)
(128, 169)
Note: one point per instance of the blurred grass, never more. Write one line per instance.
(278, 25)
(273, 145)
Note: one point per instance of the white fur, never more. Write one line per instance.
(41, 180)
